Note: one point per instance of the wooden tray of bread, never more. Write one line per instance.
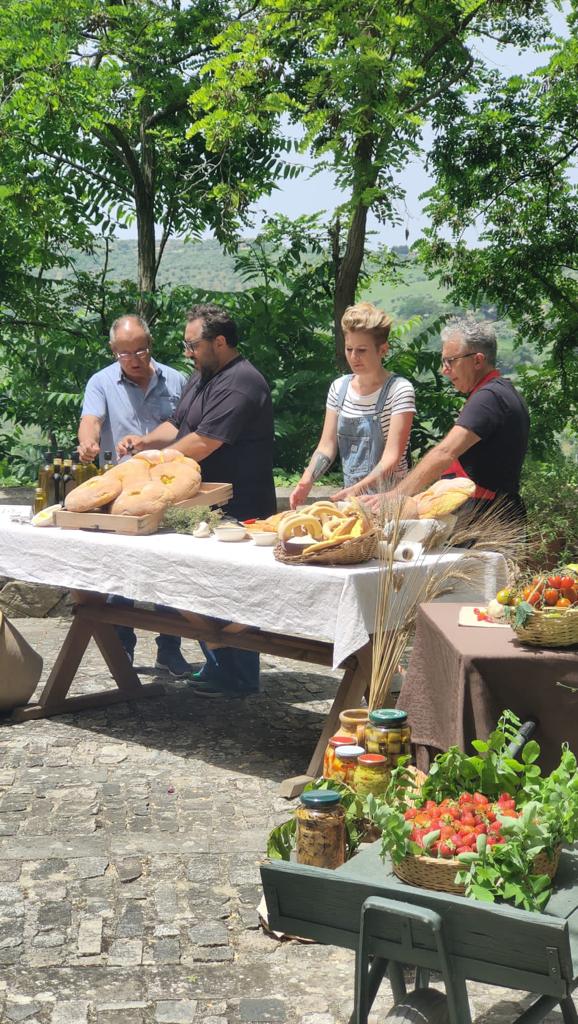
(210, 494)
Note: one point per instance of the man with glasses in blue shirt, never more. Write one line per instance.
(132, 395)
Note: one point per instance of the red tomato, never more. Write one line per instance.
(551, 595)
(566, 582)
(481, 830)
(447, 832)
(492, 840)
(495, 826)
(563, 602)
(490, 816)
(570, 593)
(410, 813)
(555, 581)
(467, 819)
(480, 799)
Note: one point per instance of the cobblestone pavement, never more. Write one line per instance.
(130, 843)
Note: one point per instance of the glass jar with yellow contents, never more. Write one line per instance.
(371, 775)
(340, 740)
(320, 839)
(344, 763)
(388, 733)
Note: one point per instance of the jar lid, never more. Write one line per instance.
(376, 760)
(320, 798)
(340, 741)
(349, 752)
(387, 716)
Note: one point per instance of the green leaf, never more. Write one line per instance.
(530, 752)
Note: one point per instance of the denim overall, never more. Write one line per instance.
(360, 438)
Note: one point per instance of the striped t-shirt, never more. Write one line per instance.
(400, 398)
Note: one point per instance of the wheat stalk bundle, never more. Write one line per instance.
(400, 593)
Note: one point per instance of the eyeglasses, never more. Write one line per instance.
(447, 363)
(192, 346)
(140, 353)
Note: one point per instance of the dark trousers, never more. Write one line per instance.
(165, 644)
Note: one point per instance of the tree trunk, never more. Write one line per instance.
(348, 276)
(145, 219)
(350, 265)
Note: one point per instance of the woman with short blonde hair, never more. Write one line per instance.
(369, 412)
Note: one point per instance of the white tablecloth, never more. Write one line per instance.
(239, 582)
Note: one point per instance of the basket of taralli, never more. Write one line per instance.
(323, 534)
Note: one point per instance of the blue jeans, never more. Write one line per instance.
(234, 669)
(165, 644)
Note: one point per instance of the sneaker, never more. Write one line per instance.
(173, 663)
(214, 689)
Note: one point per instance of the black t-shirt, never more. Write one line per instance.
(498, 414)
(234, 407)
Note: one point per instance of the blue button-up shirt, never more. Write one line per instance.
(125, 408)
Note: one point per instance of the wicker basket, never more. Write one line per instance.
(350, 552)
(439, 874)
(550, 627)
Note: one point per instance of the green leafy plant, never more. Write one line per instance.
(547, 814)
(185, 520)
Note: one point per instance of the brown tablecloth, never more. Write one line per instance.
(460, 679)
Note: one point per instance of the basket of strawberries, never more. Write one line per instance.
(454, 829)
(488, 825)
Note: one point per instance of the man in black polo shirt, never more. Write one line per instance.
(224, 420)
(489, 440)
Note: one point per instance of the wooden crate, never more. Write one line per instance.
(210, 494)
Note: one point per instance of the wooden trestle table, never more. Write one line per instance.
(226, 594)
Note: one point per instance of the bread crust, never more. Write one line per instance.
(141, 500)
(94, 493)
(182, 480)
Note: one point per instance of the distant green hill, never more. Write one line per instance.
(204, 265)
(201, 265)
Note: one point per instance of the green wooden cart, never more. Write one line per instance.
(363, 906)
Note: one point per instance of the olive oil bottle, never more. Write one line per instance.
(108, 463)
(76, 471)
(45, 476)
(67, 481)
(57, 496)
(39, 500)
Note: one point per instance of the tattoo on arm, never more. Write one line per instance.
(320, 463)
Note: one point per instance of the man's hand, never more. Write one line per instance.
(88, 450)
(374, 502)
(347, 492)
(298, 496)
(129, 444)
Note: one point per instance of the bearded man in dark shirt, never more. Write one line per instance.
(489, 440)
(224, 420)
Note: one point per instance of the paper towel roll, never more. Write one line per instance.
(408, 551)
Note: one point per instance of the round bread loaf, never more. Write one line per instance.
(182, 480)
(140, 500)
(172, 455)
(132, 471)
(94, 493)
(152, 455)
